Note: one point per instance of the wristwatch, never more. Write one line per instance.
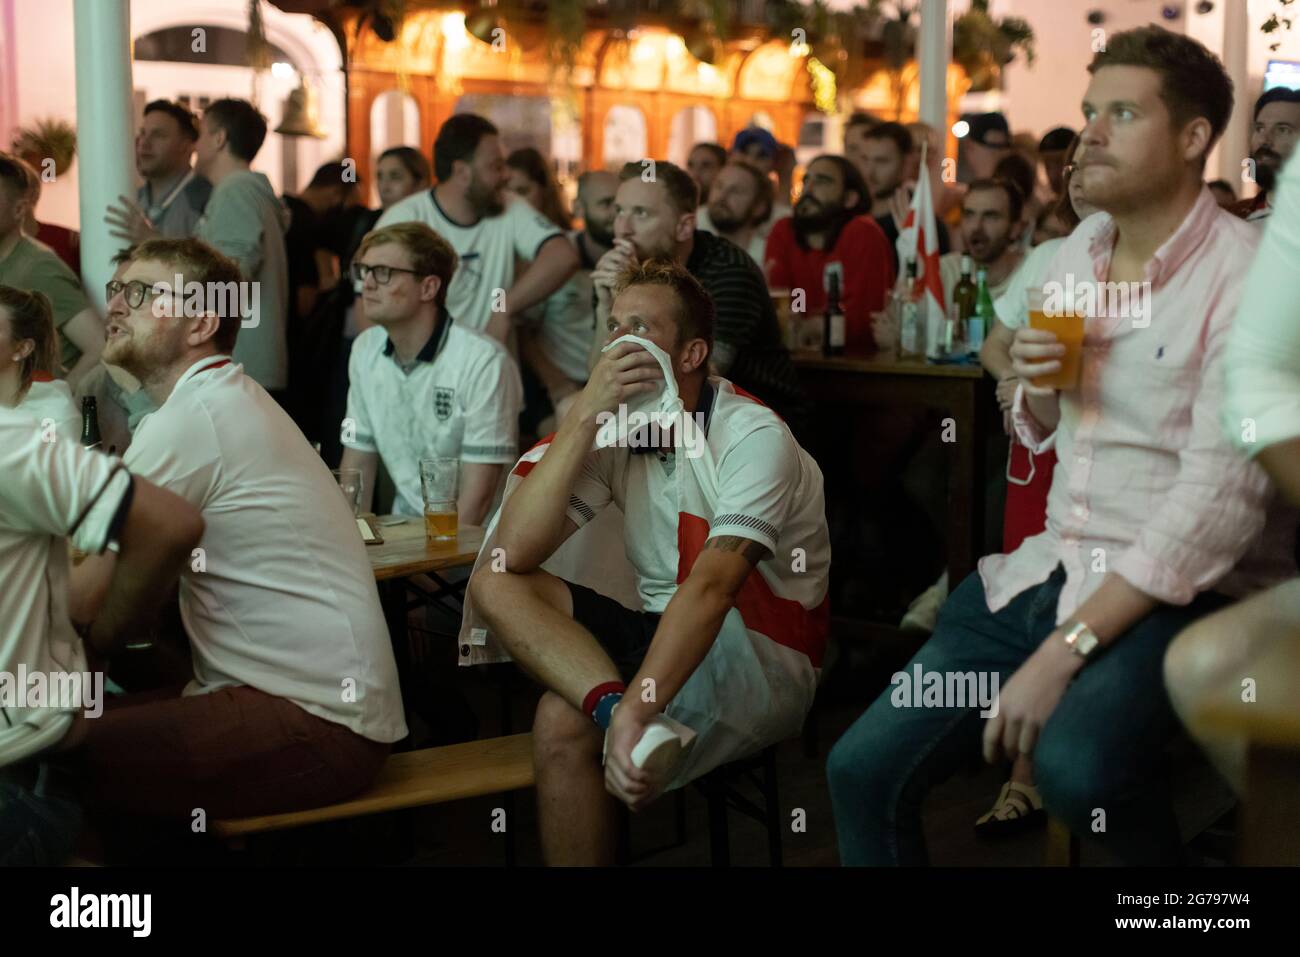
(1082, 640)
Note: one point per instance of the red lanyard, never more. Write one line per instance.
(214, 365)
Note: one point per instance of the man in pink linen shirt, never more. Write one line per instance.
(1152, 519)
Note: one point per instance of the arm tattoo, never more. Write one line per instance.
(754, 552)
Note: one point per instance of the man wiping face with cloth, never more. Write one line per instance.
(724, 534)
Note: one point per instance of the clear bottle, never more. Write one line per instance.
(833, 320)
(982, 321)
(911, 319)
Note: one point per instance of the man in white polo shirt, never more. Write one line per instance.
(53, 492)
(295, 700)
(487, 228)
(421, 384)
(725, 528)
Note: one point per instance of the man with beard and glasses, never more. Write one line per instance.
(739, 208)
(1273, 138)
(488, 229)
(829, 231)
(655, 219)
(559, 347)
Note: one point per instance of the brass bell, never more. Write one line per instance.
(300, 113)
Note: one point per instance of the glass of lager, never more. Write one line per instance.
(440, 485)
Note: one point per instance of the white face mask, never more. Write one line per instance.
(661, 408)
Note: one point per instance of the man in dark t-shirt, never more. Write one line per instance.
(655, 219)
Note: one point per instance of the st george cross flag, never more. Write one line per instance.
(919, 239)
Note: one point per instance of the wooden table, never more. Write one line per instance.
(404, 554)
(406, 551)
(959, 391)
(1270, 823)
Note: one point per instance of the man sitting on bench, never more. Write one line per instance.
(725, 527)
(294, 701)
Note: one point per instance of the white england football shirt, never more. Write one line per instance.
(282, 597)
(460, 399)
(768, 492)
(486, 249)
(50, 491)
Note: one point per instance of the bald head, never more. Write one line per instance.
(596, 190)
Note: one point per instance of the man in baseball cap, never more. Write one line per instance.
(757, 147)
(987, 141)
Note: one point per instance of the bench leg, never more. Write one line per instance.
(772, 807)
(719, 839)
(512, 824)
(1062, 845)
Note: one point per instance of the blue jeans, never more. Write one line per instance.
(39, 819)
(1101, 750)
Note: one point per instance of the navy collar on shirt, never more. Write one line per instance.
(707, 397)
(429, 351)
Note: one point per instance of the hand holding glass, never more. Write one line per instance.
(1067, 326)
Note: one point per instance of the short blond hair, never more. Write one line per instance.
(431, 255)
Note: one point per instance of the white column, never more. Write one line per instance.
(1235, 145)
(933, 50)
(104, 130)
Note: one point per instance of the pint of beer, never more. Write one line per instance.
(1067, 326)
(440, 485)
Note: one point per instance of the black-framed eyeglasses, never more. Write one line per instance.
(135, 291)
(382, 274)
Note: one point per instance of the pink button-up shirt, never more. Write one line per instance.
(1146, 484)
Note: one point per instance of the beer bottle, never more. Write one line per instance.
(964, 297)
(911, 321)
(982, 321)
(833, 321)
(90, 424)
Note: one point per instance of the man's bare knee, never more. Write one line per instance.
(497, 593)
(562, 733)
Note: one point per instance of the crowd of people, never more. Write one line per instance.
(1148, 544)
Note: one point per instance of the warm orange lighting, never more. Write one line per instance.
(454, 33)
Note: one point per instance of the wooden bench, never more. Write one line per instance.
(414, 779)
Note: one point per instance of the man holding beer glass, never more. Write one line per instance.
(1152, 518)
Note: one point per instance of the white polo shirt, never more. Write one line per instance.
(49, 492)
(282, 597)
(768, 491)
(460, 399)
(52, 402)
(568, 322)
(486, 249)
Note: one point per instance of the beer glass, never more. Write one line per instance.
(1067, 325)
(440, 486)
(350, 485)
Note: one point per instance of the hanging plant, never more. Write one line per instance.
(983, 46)
(566, 26)
(47, 139)
(1275, 22)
